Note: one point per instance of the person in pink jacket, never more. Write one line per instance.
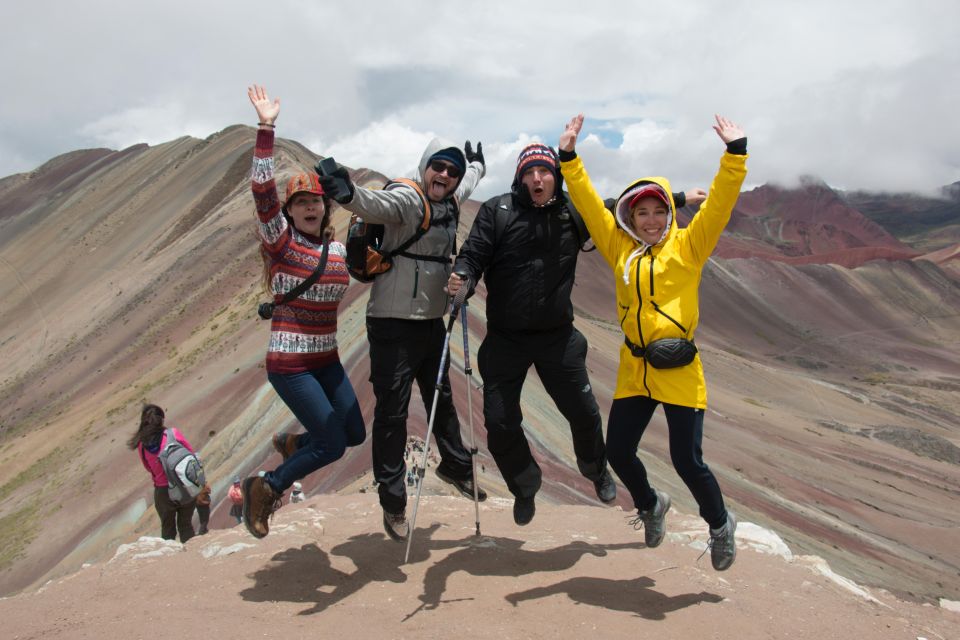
(149, 440)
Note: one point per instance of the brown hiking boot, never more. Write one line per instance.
(396, 526)
(285, 444)
(259, 503)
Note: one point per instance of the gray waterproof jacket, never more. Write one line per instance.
(413, 289)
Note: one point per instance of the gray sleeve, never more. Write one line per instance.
(475, 172)
(400, 205)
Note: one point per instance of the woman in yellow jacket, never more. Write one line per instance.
(657, 267)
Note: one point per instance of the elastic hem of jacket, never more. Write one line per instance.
(737, 147)
(566, 156)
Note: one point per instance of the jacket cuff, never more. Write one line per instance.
(737, 147)
(566, 156)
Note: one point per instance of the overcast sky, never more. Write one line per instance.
(862, 94)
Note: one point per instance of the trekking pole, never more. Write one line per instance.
(468, 372)
(455, 308)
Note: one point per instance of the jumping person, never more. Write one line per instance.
(525, 245)
(405, 312)
(149, 440)
(303, 364)
(657, 267)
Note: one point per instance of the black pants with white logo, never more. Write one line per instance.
(559, 357)
(402, 351)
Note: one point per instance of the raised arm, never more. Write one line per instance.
(602, 226)
(272, 226)
(703, 232)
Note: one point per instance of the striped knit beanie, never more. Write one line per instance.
(536, 154)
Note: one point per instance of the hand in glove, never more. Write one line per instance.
(474, 157)
(336, 185)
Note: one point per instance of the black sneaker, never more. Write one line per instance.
(396, 526)
(606, 488)
(464, 486)
(653, 520)
(523, 510)
(723, 545)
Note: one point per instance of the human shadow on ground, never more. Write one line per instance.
(505, 557)
(635, 596)
(305, 574)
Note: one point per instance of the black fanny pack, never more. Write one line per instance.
(666, 353)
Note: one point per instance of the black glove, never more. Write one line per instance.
(474, 157)
(337, 185)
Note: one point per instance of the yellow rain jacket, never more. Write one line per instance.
(657, 286)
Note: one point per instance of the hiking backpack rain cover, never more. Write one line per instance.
(183, 469)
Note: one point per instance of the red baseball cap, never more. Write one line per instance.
(649, 191)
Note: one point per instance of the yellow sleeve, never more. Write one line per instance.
(600, 223)
(704, 230)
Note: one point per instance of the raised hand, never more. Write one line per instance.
(474, 156)
(696, 195)
(727, 130)
(267, 111)
(568, 139)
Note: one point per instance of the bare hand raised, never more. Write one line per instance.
(727, 130)
(568, 139)
(696, 195)
(267, 111)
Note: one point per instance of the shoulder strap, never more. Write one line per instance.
(298, 290)
(504, 216)
(583, 234)
(401, 249)
(424, 203)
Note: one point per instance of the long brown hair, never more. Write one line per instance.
(326, 232)
(151, 426)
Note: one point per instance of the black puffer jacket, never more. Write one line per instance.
(529, 269)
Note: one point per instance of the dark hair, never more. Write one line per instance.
(326, 232)
(151, 426)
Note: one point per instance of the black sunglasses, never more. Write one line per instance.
(440, 166)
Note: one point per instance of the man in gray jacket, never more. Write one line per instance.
(405, 325)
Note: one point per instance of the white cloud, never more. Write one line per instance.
(861, 93)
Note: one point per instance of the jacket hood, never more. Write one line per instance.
(435, 145)
(622, 214)
(622, 208)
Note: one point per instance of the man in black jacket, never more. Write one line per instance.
(525, 244)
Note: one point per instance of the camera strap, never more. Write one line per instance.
(298, 290)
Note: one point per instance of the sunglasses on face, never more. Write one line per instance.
(440, 166)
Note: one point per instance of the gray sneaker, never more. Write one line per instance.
(723, 546)
(396, 526)
(653, 520)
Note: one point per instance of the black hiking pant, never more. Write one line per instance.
(174, 517)
(628, 420)
(559, 357)
(401, 352)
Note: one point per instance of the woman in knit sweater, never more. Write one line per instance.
(302, 360)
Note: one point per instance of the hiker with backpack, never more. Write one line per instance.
(303, 364)
(525, 245)
(150, 440)
(657, 268)
(405, 312)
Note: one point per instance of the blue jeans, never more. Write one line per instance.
(325, 404)
(629, 418)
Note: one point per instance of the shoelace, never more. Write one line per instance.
(270, 508)
(715, 539)
(636, 521)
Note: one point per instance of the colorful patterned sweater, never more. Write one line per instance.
(303, 333)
